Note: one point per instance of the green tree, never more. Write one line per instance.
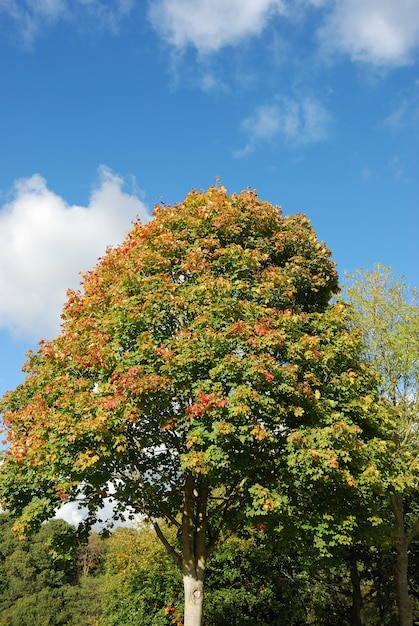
(387, 310)
(201, 365)
(35, 573)
(40, 578)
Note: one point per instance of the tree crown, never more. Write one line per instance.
(199, 347)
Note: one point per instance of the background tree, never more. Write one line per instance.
(249, 580)
(387, 310)
(36, 575)
(201, 362)
(90, 556)
(40, 581)
(142, 584)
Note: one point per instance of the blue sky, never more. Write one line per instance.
(107, 108)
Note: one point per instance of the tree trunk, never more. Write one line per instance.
(403, 599)
(356, 594)
(194, 530)
(193, 584)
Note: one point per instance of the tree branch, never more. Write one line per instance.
(169, 548)
(159, 504)
(188, 540)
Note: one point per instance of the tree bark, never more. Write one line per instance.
(193, 584)
(403, 599)
(194, 530)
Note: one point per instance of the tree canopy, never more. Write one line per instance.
(37, 576)
(387, 310)
(200, 372)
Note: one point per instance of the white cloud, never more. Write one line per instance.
(378, 32)
(45, 243)
(71, 513)
(297, 122)
(211, 83)
(209, 25)
(31, 17)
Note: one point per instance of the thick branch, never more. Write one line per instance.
(188, 539)
(169, 548)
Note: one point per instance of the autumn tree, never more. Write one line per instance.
(388, 312)
(142, 584)
(200, 356)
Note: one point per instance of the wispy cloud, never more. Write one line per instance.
(296, 122)
(405, 114)
(397, 169)
(31, 17)
(382, 33)
(209, 25)
(377, 32)
(45, 243)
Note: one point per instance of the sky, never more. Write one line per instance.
(110, 107)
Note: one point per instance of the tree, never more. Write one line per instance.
(36, 573)
(90, 556)
(202, 353)
(387, 310)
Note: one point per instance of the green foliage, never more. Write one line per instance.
(143, 586)
(249, 580)
(198, 375)
(84, 601)
(248, 583)
(38, 578)
(31, 566)
(199, 345)
(387, 310)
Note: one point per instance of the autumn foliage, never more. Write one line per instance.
(200, 371)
